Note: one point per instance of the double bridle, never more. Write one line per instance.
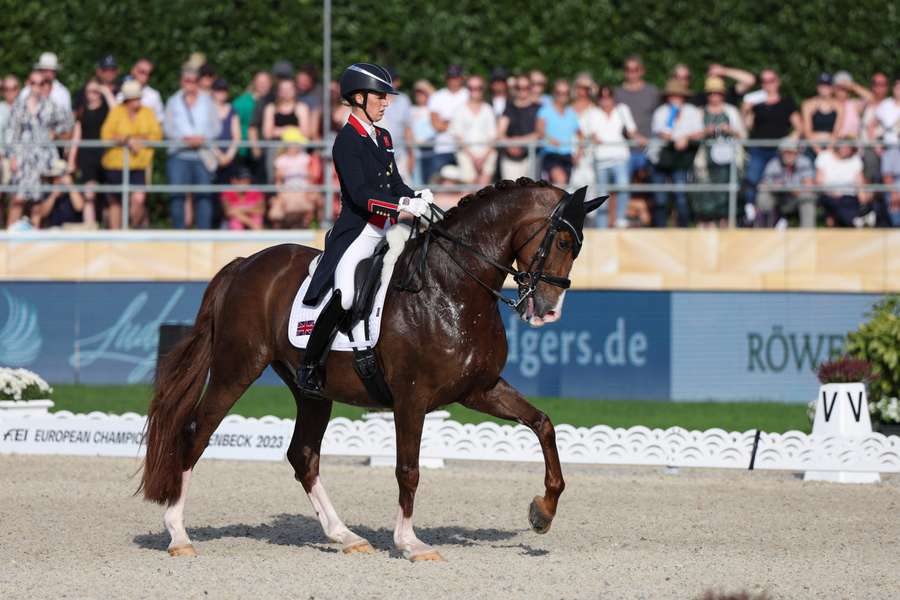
(527, 280)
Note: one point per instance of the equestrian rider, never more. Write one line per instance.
(372, 196)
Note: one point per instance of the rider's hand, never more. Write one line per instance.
(426, 195)
(415, 206)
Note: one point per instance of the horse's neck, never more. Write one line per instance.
(488, 230)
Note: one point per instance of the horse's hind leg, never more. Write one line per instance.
(506, 402)
(303, 454)
(217, 400)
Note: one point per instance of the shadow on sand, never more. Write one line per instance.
(304, 531)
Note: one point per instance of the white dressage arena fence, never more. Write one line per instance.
(267, 438)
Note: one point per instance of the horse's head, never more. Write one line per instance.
(545, 252)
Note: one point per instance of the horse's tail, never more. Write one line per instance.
(180, 378)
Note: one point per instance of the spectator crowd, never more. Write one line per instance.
(798, 164)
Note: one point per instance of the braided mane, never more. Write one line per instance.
(486, 193)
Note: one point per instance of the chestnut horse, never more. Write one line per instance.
(242, 327)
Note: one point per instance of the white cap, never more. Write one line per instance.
(47, 62)
(843, 78)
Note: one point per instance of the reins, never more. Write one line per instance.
(526, 281)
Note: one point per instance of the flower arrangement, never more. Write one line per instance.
(844, 369)
(22, 384)
(887, 410)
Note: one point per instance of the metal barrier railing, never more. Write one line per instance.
(327, 188)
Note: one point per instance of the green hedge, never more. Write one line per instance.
(800, 39)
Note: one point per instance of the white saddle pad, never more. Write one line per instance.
(303, 317)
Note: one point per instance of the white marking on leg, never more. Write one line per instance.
(405, 538)
(331, 523)
(174, 517)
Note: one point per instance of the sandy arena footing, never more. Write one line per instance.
(70, 528)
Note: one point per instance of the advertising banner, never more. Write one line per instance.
(609, 344)
(761, 345)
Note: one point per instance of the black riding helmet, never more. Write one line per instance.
(365, 78)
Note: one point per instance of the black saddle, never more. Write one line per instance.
(367, 282)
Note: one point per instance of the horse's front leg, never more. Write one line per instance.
(409, 437)
(506, 402)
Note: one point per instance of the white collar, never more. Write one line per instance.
(370, 129)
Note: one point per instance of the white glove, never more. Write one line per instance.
(426, 195)
(415, 206)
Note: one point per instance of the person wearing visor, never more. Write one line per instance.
(373, 196)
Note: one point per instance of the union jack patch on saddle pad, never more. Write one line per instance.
(305, 327)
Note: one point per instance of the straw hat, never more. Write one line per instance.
(714, 85)
(47, 62)
(131, 90)
(424, 85)
(584, 80)
(676, 87)
(293, 135)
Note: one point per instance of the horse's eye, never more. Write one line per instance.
(563, 244)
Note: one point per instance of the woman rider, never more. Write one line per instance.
(372, 196)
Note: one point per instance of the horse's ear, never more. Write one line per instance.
(594, 204)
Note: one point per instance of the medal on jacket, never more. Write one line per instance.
(390, 170)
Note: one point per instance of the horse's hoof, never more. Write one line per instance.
(538, 517)
(361, 547)
(431, 555)
(183, 550)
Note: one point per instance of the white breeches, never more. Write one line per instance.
(361, 248)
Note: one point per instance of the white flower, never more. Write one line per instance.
(15, 382)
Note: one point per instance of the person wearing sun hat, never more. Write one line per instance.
(722, 123)
(129, 124)
(677, 128)
(48, 66)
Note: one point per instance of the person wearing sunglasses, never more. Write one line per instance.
(769, 116)
(48, 67)
(641, 98)
(557, 125)
(141, 72)
(518, 124)
(475, 128)
(34, 123)
(192, 118)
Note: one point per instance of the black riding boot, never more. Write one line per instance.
(310, 374)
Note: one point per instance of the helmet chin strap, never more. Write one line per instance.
(365, 102)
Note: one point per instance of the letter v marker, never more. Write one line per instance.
(857, 409)
(828, 409)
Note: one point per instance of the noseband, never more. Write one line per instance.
(528, 280)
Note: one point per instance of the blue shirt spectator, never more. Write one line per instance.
(191, 117)
(560, 128)
(557, 126)
(199, 120)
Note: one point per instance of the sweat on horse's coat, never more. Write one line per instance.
(443, 343)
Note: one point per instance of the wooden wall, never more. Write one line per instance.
(746, 260)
